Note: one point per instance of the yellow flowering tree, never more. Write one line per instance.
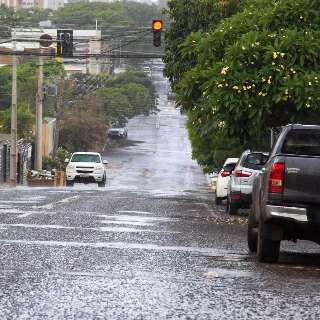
(255, 70)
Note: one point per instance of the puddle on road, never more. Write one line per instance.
(16, 211)
(229, 273)
(127, 223)
(26, 201)
(208, 252)
(129, 218)
(98, 229)
(135, 212)
(134, 220)
(132, 230)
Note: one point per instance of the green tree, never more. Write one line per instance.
(125, 14)
(189, 16)
(25, 121)
(82, 131)
(139, 98)
(27, 75)
(135, 76)
(113, 104)
(120, 98)
(268, 76)
(255, 70)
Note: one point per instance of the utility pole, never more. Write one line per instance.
(120, 60)
(13, 149)
(38, 154)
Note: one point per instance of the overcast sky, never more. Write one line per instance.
(147, 1)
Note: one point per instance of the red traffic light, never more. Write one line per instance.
(157, 25)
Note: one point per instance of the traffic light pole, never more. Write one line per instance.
(38, 146)
(13, 149)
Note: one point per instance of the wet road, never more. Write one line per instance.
(151, 245)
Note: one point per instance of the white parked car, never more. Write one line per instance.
(241, 180)
(223, 179)
(86, 167)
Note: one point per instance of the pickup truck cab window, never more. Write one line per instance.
(302, 142)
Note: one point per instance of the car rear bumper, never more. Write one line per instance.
(242, 199)
(294, 214)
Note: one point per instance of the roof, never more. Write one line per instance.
(303, 126)
(93, 153)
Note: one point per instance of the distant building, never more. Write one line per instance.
(85, 42)
(28, 4)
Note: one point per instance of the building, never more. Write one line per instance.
(27, 4)
(85, 42)
(48, 136)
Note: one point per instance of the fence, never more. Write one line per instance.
(24, 161)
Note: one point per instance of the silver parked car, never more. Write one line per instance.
(241, 180)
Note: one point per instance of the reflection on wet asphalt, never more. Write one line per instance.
(151, 245)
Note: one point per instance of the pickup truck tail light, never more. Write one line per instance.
(276, 179)
(242, 174)
(225, 173)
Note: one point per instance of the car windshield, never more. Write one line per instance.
(302, 142)
(85, 158)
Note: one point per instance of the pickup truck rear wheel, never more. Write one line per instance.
(268, 250)
(252, 236)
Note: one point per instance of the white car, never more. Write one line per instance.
(223, 179)
(116, 133)
(147, 70)
(86, 167)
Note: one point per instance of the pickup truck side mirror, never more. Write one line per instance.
(66, 160)
(105, 162)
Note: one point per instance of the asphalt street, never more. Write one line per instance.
(151, 245)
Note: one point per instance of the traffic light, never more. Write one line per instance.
(157, 27)
(65, 43)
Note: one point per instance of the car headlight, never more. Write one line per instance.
(98, 167)
(70, 167)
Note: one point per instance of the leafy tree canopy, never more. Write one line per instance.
(27, 75)
(25, 121)
(267, 75)
(255, 70)
(83, 131)
(189, 16)
(127, 14)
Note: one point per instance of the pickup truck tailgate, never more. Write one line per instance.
(302, 180)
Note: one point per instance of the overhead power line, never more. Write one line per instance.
(85, 56)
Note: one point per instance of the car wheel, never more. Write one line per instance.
(252, 235)
(69, 183)
(102, 183)
(268, 250)
(232, 208)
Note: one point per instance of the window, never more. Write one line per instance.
(85, 158)
(229, 167)
(255, 160)
(302, 142)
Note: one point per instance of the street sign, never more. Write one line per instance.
(45, 40)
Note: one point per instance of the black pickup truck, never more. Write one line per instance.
(286, 194)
